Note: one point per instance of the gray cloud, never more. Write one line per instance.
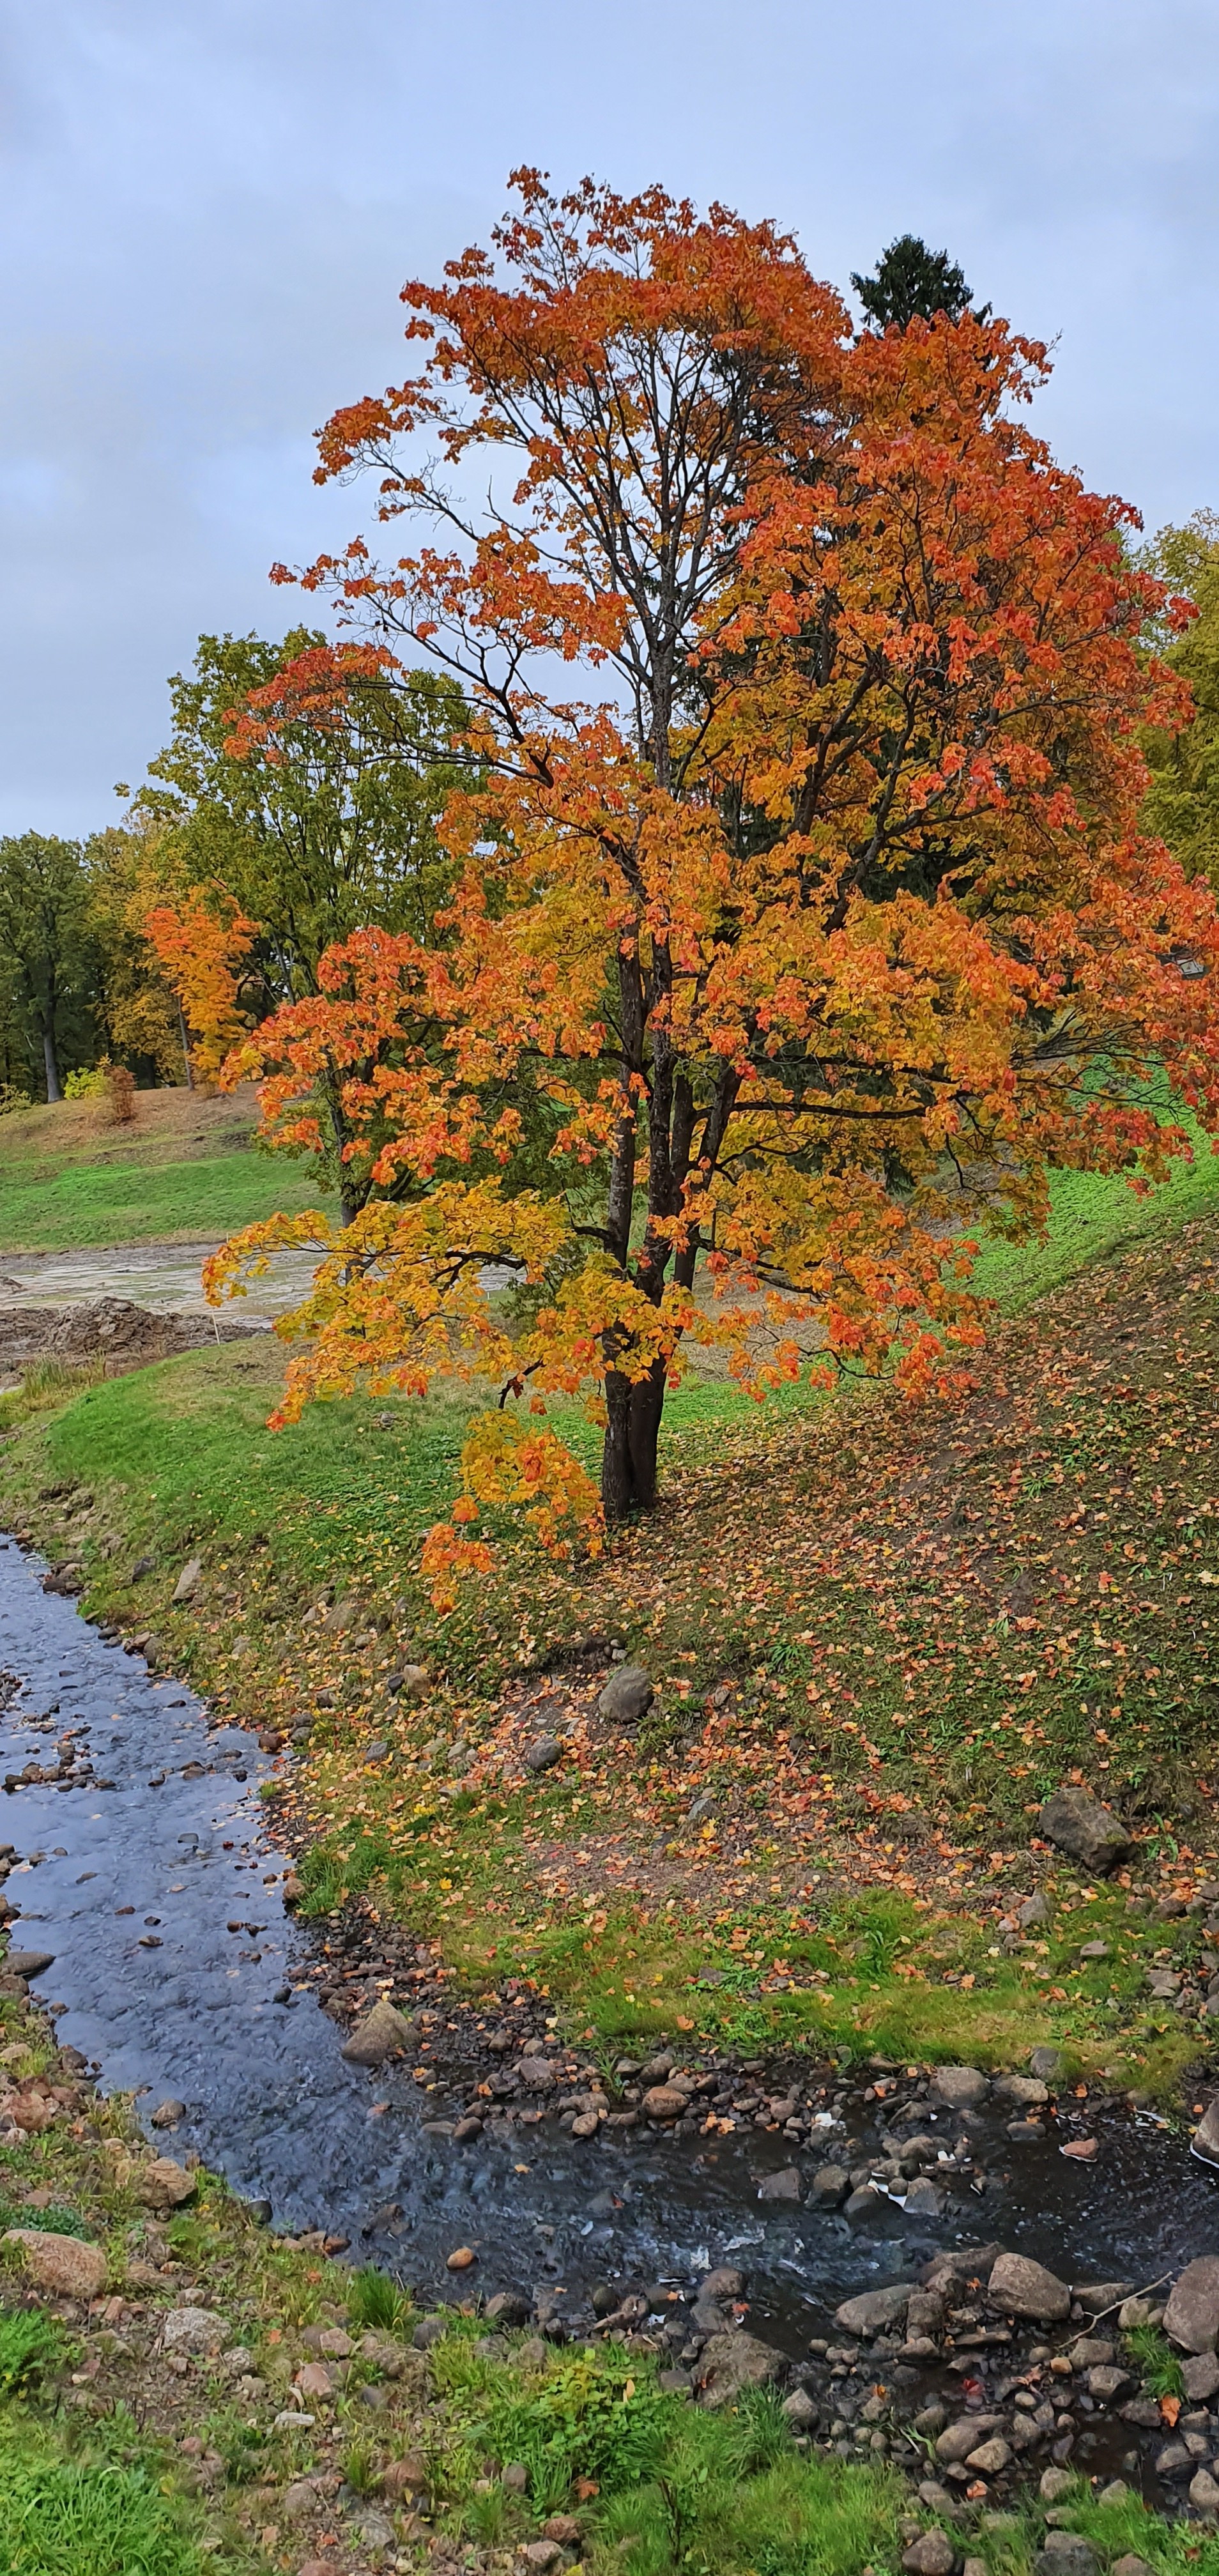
(209, 205)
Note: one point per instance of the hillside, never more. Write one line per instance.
(185, 1169)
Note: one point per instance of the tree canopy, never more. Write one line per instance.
(908, 281)
(822, 934)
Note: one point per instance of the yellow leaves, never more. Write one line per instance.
(510, 1465)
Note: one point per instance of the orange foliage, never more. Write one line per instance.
(199, 943)
(813, 946)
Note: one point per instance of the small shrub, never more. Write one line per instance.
(587, 2420)
(30, 2345)
(375, 2300)
(360, 2467)
(89, 1084)
(53, 1381)
(12, 1100)
(1155, 2361)
(759, 2434)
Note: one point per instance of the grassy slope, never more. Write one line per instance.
(923, 1620)
(184, 1168)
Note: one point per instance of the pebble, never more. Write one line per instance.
(460, 2259)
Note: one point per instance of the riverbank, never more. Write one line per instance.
(178, 2390)
(875, 1640)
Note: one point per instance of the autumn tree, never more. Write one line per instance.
(804, 880)
(911, 281)
(44, 948)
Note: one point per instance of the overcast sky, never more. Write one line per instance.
(209, 207)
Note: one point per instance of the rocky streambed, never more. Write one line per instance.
(935, 2267)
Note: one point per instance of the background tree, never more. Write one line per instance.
(911, 280)
(298, 798)
(1183, 797)
(136, 1011)
(823, 935)
(45, 950)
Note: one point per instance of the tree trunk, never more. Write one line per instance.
(628, 1460)
(185, 1044)
(48, 1057)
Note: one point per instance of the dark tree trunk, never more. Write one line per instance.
(48, 1057)
(628, 1460)
(185, 1045)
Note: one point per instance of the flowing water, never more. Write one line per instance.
(153, 1881)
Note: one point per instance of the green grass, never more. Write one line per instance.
(48, 1210)
(375, 2301)
(1092, 1216)
(63, 2517)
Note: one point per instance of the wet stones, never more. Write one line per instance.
(1079, 1824)
(1022, 2288)
(382, 2033)
(665, 2102)
(960, 2087)
(780, 2186)
(830, 2185)
(873, 2311)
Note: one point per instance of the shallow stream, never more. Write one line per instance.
(152, 1880)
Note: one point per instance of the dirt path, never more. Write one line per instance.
(163, 1277)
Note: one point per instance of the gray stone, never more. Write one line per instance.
(381, 2032)
(923, 2200)
(957, 2440)
(168, 2114)
(1099, 2296)
(931, 2555)
(1055, 2484)
(1191, 2317)
(830, 2186)
(873, 2310)
(990, 2458)
(536, 2074)
(1130, 2564)
(188, 1580)
(195, 2330)
(543, 1753)
(1066, 2553)
(863, 2204)
(1022, 2288)
(627, 1696)
(1026, 2089)
(1200, 2374)
(733, 2362)
(28, 1963)
(801, 2411)
(507, 2308)
(1106, 2382)
(1034, 1910)
(780, 2186)
(1047, 2062)
(1204, 2492)
(962, 2087)
(1079, 1824)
